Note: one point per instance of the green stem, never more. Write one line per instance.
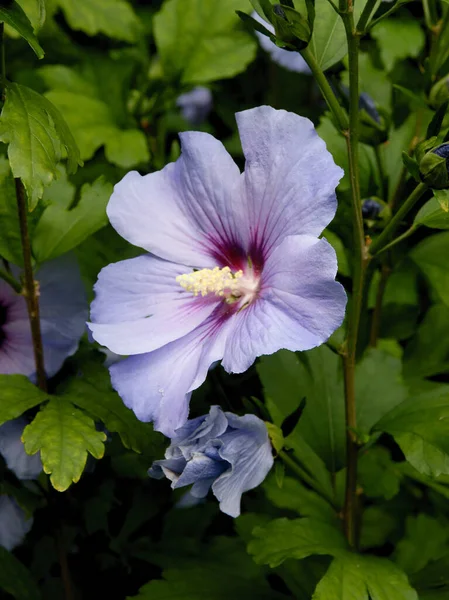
(379, 243)
(359, 267)
(304, 475)
(366, 14)
(29, 289)
(326, 90)
(11, 281)
(397, 240)
(386, 14)
(377, 313)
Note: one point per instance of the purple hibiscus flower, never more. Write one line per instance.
(63, 314)
(14, 524)
(220, 450)
(292, 61)
(195, 105)
(236, 269)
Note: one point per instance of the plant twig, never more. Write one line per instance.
(328, 94)
(11, 281)
(30, 289)
(359, 268)
(379, 244)
(366, 14)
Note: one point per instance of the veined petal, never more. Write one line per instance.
(139, 306)
(290, 177)
(183, 211)
(300, 304)
(16, 350)
(157, 385)
(247, 448)
(12, 449)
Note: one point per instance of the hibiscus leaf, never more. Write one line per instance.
(433, 214)
(420, 426)
(92, 391)
(37, 136)
(398, 39)
(17, 394)
(294, 538)
(353, 576)
(64, 435)
(431, 257)
(15, 579)
(328, 41)
(114, 18)
(10, 240)
(202, 41)
(14, 16)
(60, 229)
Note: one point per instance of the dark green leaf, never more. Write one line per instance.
(37, 136)
(286, 538)
(10, 240)
(17, 394)
(433, 214)
(60, 229)
(378, 474)
(411, 165)
(428, 352)
(431, 257)
(398, 39)
(437, 120)
(15, 579)
(14, 16)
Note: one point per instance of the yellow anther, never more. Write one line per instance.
(221, 282)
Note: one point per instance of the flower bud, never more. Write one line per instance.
(439, 92)
(373, 125)
(433, 165)
(375, 212)
(291, 27)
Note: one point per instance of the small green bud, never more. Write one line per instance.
(434, 167)
(291, 27)
(439, 92)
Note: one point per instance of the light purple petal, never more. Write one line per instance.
(16, 351)
(300, 306)
(201, 467)
(195, 105)
(293, 61)
(13, 523)
(197, 432)
(290, 177)
(247, 448)
(139, 306)
(181, 212)
(157, 385)
(12, 449)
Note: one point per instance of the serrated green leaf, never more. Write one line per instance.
(205, 582)
(426, 539)
(14, 16)
(60, 229)
(17, 394)
(420, 426)
(93, 125)
(114, 18)
(93, 392)
(431, 257)
(15, 579)
(64, 435)
(294, 538)
(355, 577)
(376, 527)
(398, 39)
(378, 474)
(37, 135)
(428, 351)
(202, 40)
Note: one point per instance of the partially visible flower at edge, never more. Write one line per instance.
(14, 524)
(195, 105)
(265, 280)
(222, 451)
(293, 61)
(63, 315)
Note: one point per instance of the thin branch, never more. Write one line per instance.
(30, 290)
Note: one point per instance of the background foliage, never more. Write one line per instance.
(91, 93)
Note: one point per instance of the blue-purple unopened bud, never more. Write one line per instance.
(442, 151)
(371, 208)
(367, 103)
